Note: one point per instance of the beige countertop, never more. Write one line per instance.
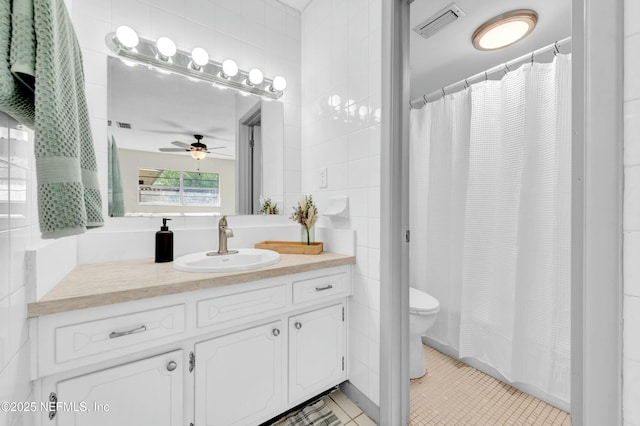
(100, 284)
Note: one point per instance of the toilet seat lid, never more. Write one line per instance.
(421, 302)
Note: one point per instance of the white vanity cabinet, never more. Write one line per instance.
(317, 351)
(230, 355)
(239, 377)
(242, 378)
(145, 392)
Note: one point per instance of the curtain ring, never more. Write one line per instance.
(486, 77)
(556, 50)
(532, 58)
(410, 106)
(466, 84)
(443, 94)
(425, 99)
(506, 68)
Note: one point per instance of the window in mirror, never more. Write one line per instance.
(178, 188)
(14, 148)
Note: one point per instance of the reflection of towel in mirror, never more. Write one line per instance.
(47, 75)
(116, 197)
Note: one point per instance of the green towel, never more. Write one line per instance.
(15, 98)
(116, 197)
(45, 57)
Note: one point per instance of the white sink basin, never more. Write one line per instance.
(244, 260)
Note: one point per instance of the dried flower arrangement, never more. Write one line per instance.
(305, 213)
(268, 207)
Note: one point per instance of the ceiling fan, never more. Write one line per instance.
(168, 126)
(197, 149)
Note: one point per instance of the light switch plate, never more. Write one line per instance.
(323, 177)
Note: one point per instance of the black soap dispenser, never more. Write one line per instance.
(164, 243)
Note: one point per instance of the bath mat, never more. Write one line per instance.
(315, 414)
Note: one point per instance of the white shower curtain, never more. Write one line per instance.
(439, 169)
(490, 211)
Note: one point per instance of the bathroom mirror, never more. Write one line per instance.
(158, 120)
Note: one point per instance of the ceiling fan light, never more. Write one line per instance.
(198, 154)
(505, 29)
(127, 37)
(229, 68)
(166, 47)
(255, 77)
(199, 56)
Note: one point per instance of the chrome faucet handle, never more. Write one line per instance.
(222, 222)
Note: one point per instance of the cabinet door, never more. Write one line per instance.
(146, 392)
(316, 352)
(240, 377)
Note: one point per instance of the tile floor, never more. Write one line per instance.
(453, 393)
(347, 412)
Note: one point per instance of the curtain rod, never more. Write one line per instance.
(422, 100)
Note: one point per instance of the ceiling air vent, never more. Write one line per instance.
(123, 125)
(438, 21)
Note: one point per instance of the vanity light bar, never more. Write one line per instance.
(146, 53)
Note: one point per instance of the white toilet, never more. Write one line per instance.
(423, 310)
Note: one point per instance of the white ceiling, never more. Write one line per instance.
(163, 108)
(297, 4)
(448, 56)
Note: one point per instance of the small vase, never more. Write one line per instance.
(307, 235)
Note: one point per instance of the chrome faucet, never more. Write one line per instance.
(224, 232)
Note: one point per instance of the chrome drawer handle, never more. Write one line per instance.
(298, 325)
(172, 365)
(326, 287)
(276, 332)
(115, 334)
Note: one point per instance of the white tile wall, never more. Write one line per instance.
(18, 227)
(631, 333)
(340, 132)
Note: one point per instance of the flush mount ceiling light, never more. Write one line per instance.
(164, 56)
(505, 29)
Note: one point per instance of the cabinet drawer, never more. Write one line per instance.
(319, 288)
(90, 338)
(240, 305)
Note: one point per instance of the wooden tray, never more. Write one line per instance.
(291, 247)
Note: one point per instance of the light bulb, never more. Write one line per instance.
(279, 83)
(229, 68)
(255, 76)
(127, 37)
(334, 101)
(166, 47)
(200, 56)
